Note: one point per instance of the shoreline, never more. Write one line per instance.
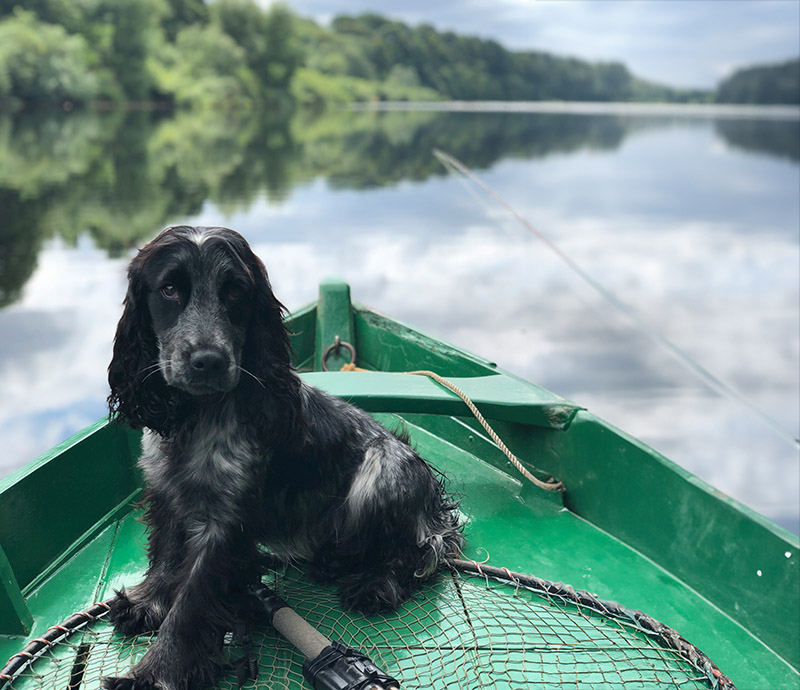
(719, 110)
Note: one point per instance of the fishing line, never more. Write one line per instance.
(715, 383)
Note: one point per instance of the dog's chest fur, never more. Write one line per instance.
(206, 475)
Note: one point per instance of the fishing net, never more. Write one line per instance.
(485, 629)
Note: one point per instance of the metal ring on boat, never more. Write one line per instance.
(338, 344)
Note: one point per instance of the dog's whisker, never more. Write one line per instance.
(154, 371)
(250, 373)
(150, 367)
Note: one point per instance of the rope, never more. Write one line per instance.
(546, 486)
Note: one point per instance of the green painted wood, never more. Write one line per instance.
(15, 618)
(334, 319)
(496, 396)
(467, 434)
(518, 528)
(712, 542)
(50, 503)
(739, 560)
(387, 345)
(302, 327)
(74, 587)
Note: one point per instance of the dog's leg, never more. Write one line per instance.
(207, 585)
(143, 607)
(397, 528)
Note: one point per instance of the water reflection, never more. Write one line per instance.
(691, 221)
(119, 175)
(773, 138)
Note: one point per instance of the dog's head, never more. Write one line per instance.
(199, 314)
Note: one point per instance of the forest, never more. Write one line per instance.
(236, 54)
(763, 84)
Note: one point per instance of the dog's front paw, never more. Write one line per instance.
(131, 617)
(136, 681)
(128, 683)
(172, 670)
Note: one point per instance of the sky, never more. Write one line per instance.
(682, 43)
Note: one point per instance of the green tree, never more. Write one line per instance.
(135, 30)
(267, 39)
(65, 13)
(204, 68)
(43, 63)
(282, 54)
(331, 53)
(403, 75)
(470, 68)
(245, 22)
(769, 84)
(181, 14)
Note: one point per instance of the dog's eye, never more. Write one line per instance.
(234, 294)
(170, 291)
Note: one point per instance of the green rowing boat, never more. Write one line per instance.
(709, 591)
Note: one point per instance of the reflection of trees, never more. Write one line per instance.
(40, 158)
(121, 176)
(39, 152)
(779, 138)
(371, 149)
(264, 162)
(19, 244)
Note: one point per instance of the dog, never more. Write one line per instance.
(238, 454)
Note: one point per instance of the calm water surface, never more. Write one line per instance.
(691, 221)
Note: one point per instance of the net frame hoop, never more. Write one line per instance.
(668, 637)
(547, 589)
(53, 636)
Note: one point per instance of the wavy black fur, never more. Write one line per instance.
(238, 452)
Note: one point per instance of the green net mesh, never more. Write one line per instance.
(465, 632)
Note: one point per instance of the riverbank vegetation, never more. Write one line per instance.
(778, 83)
(236, 54)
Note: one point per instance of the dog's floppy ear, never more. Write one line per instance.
(139, 394)
(267, 347)
(268, 353)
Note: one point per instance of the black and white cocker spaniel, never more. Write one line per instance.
(239, 453)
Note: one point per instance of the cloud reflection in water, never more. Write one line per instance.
(698, 237)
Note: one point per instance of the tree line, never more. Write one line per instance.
(180, 52)
(778, 83)
(234, 53)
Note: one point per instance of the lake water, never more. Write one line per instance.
(690, 218)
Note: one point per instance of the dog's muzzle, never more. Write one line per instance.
(204, 371)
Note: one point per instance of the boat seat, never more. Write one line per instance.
(498, 396)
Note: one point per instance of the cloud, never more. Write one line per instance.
(53, 371)
(494, 291)
(722, 285)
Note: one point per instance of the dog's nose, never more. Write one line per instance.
(207, 362)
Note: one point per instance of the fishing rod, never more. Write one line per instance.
(329, 664)
(452, 164)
